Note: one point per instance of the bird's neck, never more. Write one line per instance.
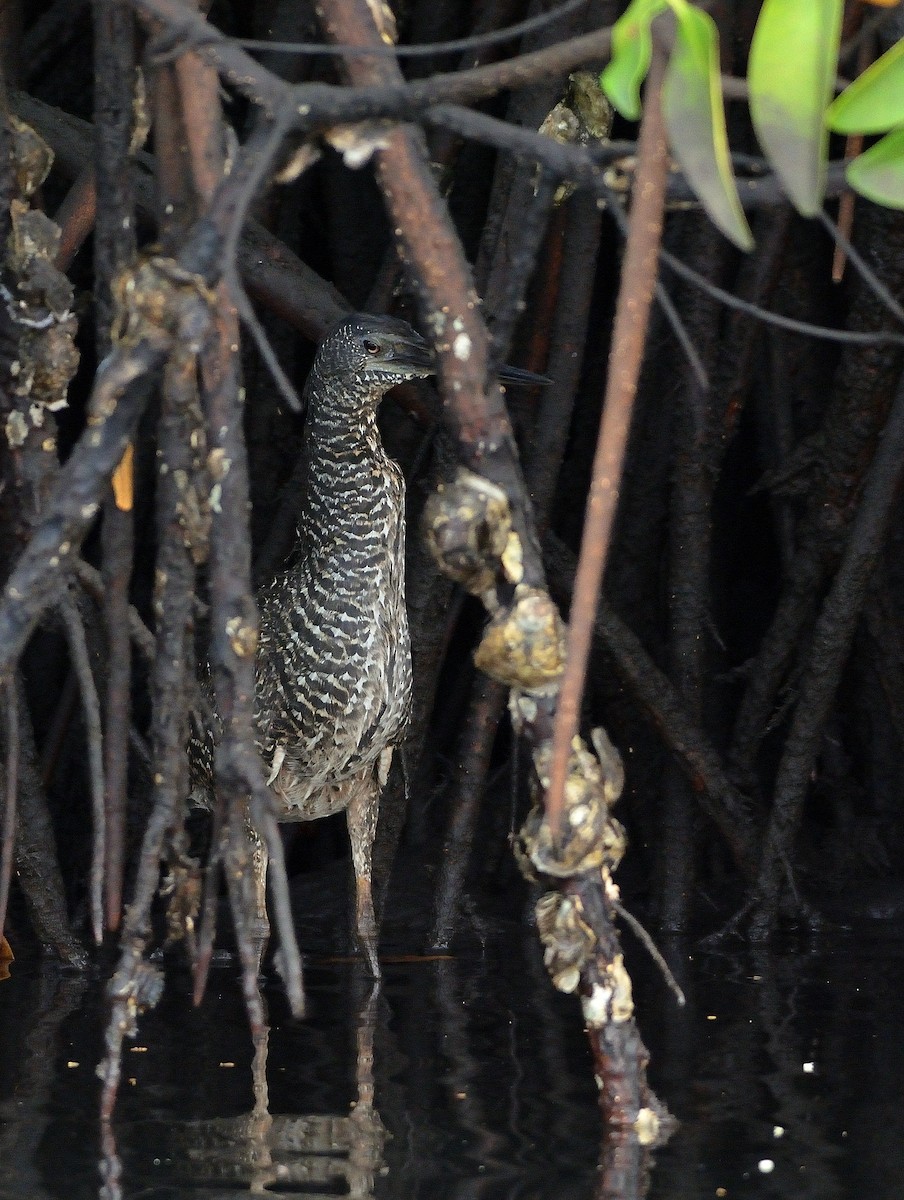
(349, 477)
(342, 442)
(352, 508)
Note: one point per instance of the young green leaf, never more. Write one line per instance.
(878, 173)
(875, 101)
(791, 74)
(695, 120)
(632, 48)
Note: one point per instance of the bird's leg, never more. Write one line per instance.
(260, 927)
(361, 815)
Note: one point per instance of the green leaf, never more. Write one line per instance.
(632, 49)
(875, 101)
(791, 75)
(878, 173)
(695, 120)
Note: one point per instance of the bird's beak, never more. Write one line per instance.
(413, 354)
(525, 378)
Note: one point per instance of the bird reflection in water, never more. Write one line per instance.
(323, 1154)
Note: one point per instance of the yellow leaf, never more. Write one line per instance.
(6, 957)
(124, 480)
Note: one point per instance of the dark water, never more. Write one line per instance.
(479, 1079)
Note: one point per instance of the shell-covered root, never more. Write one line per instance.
(467, 523)
(589, 837)
(567, 939)
(523, 646)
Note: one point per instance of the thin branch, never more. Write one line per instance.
(522, 260)
(683, 338)
(558, 344)
(264, 349)
(210, 899)
(239, 770)
(879, 338)
(617, 211)
(853, 145)
(576, 163)
(81, 665)
(174, 581)
(228, 206)
(478, 41)
(628, 340)
(652, 949)
(92, 582)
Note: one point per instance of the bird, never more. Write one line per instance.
(333, 672)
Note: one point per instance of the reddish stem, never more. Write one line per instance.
(628, 339)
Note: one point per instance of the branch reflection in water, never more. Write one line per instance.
(466, 1080)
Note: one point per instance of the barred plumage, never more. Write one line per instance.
(333, 667)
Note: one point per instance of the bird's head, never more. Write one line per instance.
(373, 354)
(365, 356)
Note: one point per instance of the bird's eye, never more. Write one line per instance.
(372, 347)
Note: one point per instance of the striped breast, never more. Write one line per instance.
(334, 661)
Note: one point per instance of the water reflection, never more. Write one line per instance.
(258, 1152)
(323, 1152)
(466, 1078)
